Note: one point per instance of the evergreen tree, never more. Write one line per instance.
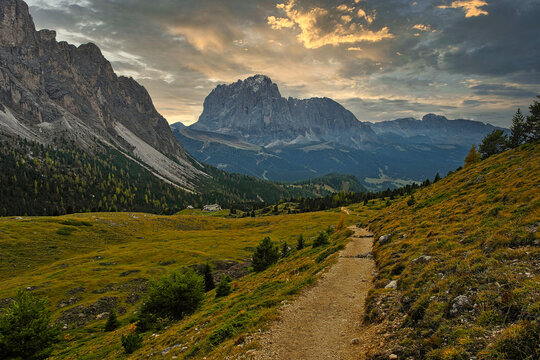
(437, 178)
(532, 124)
(473, 156)
(284, 250)
(321, 239)
(300, 242)
(208, 278)
(26, 331)
(224, 286)
(265, 255)
(493, 143)
(518, 134)
(112, 321)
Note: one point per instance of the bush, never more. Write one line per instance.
(224, 287)
(266, 254)
(411, 201)
(112, 321)
(300, 244)
(321, 240)
(25, 329)
(132, 341)
(174, 295)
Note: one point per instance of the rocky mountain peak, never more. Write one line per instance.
(254, 110)
(16, 24)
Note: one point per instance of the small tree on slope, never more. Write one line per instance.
(265, 255)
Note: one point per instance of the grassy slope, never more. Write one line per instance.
(58, 254)
(480, 227)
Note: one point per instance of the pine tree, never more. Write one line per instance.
(532, 124)
(265, 255)
(208, 278)
(224, 286)
(284, 250)
(473, 156)
(300, 243)
(518, 134)
(112, 321)
(494, 143)
(437, 178)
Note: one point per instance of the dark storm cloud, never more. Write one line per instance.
(467, 58)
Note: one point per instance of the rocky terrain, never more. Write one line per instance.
(254, 110)
(51, 89)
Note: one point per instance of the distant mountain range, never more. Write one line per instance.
(248, 127)
(94, 140)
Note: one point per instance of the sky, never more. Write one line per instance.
(381, 59)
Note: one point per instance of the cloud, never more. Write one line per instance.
(472, 7)
(422, 27)
(502, 90)
(320, 26)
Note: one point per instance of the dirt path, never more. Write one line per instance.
(324, 320)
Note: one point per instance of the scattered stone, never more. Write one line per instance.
(97, 257)
(77, 290)
(367, 255)
(129, 272)
(460, 304)
(355, 341)
(384, 239)
(81, 315)
(108, 263)
(169, 348)
(72, 300)
(421, 259)
(391, 285)
(404, 235)
(392, 357)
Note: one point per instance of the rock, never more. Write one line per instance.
(54, 89)
(367, 255)
(392, 357)
(355, 341)
(129, 272)
(421, 259)
(391, 285)
(169, 348)
(384, 239)
(77, 290)
(460, 304)
(254, 109)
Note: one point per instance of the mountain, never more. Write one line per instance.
(248, 127)
(254, 110)
(433, 129)
(51, 90)
(75, 137)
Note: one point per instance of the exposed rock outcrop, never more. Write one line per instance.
(51, 89)
(254, 110)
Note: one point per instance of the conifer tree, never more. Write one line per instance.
(473, 156)
(532, 124)
(300, 243)
(112, 321)
(208, 278)
(518, 134)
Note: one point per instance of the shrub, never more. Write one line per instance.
(112, 321)
(174, 295)
(25, 329)
(265, 254)
(300, 244)
(411, 201)
(321, 240)
(208, 278)
(224, 286)
(132, 341)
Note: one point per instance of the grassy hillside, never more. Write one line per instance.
(465, 257)
(87, 263)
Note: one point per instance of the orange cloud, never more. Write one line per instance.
(471, 7)
(422, 27)
(342, 31)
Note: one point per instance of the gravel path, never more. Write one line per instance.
(325, 322)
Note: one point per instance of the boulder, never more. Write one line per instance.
(391, 285)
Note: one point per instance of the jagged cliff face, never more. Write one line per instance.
(255, 110)
(50, 89)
